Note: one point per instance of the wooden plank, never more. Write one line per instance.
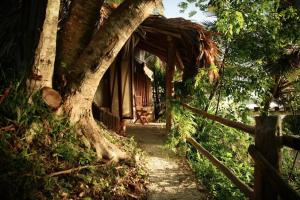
(266, 131)
(237, 125)
(273, 176)
(225, 170)
(291, 141)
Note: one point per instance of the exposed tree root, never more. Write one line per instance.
(88, 127)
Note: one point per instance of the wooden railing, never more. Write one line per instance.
(268, 183)
(109, 120)
(225, 170)
(273, 176)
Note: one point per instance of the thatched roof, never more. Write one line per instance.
(193, 44)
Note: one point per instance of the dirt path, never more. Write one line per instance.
(169, 175)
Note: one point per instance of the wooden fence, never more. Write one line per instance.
(268, 183)
(109, 120)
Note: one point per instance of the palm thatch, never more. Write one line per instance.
(194, 47)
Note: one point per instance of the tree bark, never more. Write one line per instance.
(95, 60)
(267, 131)
(102, 50)
(76, 34)
(43, 67)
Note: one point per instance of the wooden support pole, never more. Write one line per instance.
(179, 61)
(119, 130)
(267, 129)
(273, 176)
(169, 81)
(119, 80)
(225, 170)
(237, 125)
(291, 141)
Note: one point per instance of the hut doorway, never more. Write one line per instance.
(149, 88)
(127, 93)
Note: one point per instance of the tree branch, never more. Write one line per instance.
(69, 171)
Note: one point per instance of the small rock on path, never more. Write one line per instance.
(170, 177)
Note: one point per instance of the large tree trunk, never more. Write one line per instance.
(43, 68)
(95, 60)
(75, 36)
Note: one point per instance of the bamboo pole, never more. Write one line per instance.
(225, 170)
(237, 125)
(273, 176)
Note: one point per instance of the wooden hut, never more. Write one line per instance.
(126, 87)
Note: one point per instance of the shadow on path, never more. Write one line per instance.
(169, 175)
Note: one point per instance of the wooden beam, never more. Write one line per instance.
(291, 141)
(180, 64)
(225, 170)
(162, 54)
(266, 131)
(156, 47)
(273, 176)
(237, 125)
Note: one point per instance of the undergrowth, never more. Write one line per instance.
(42, 157)
(230, 147)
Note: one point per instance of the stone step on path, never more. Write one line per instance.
(170, 177)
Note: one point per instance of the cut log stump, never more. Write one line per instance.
(51, 97)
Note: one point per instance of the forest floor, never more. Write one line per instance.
(170, 176)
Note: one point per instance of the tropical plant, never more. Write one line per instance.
(259, 43)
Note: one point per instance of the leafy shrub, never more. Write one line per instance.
(40, 144)
(227, 144)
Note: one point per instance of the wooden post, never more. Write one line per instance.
(267, 130)
(170, 69)
(273, 176)
(121, 127)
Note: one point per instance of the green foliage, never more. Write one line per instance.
(39, 144)
(227, 144)
(230, 147)
(182, 127)
(291, 170)
(292, 124)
